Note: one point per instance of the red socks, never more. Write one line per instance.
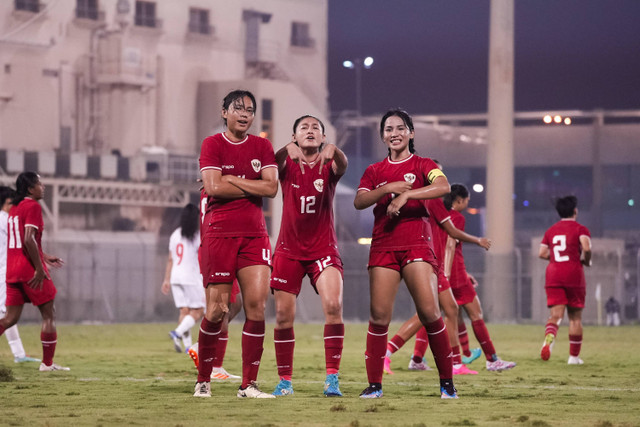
(333, 342)
(374, 355)
(221, 349)
(457, 357)
(551, 328)
(464, 338)
(575, 342)
(285, 341)
(207, 340)
(2, 329)
(252, 347)
(49, 341)
(395, 344)
(420, 347)
(482, 335)
(440, 347)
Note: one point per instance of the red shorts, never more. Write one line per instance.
(288, 273)
(21, 293)
(222, 257)
(443, 282)
(464, 294)
(569, 296)
(396, 260)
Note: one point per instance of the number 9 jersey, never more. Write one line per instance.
(307, 230)
(563, 241)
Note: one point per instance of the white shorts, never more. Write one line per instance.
(191, 296)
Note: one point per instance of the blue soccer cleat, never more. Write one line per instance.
(475, 353)
(284, 388)
(448, 393)
(25, 359)
(371, 392)
(331, 386)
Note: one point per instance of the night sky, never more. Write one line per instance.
(431, 56)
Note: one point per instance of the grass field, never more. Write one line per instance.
(130, 374)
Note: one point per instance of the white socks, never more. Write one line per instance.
(15, 343)
(187, 323)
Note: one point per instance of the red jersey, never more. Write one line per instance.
(410, 229)
(28, 213)
(438, 215)
(563, 241)
(458, 270)
(307, 231)
(246, 159)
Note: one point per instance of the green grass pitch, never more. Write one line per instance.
(130, 374)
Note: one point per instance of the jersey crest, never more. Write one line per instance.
(255, 164)
(409, 177)
(319, 184)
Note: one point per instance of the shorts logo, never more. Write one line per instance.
(319, 184)
(277, 279)
(255, 164)
(409, 177)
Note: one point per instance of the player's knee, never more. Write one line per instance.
(333, 309)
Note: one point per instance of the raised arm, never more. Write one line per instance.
(438, 188)
(294, 152)
(460, 235)
(340, 161)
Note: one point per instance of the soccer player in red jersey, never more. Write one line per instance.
(441, 228)
(307, 245)
(238, 170)
(567, 246)
(401, 247)
(28, 277)
(462, 283)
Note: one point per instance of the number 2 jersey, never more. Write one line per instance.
(563, 241)
(307, 230)
(28, 213)
(411, 228)
(247, 158)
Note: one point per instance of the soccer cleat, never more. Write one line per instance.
(284, 388)
(25, 359)
(422, 366)
(462, 369)
(475, 353)
(547, 346)
(500, 365)
(331, 386)
(221, 374)
(575, 360)
(387, 366)
(371, 392)
(52, 367)
(177, 341)
(194, 356)
(254, 392)
(203, 389)
(448, 392)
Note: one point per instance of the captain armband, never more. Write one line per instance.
(433, 174)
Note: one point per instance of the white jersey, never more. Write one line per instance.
(184, 254)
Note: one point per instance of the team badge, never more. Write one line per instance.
(409, 177)
(319, 184)
(255, 164)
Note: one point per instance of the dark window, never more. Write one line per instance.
(146, 14)
(300, 35)
(87, 9)
(28, 5)
(199, 21)
(267, 109)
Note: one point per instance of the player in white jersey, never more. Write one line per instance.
(12, 334)
(182, 276)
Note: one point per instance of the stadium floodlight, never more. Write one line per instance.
(348, 64)
(368, 62)
(478, 188)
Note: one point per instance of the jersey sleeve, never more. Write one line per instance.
(431, 170)
(459, 221)
(545, 239)
(584, 231)
(268, 159)
(367, 181)
(437, 210)
(209, 156)
(33, 216)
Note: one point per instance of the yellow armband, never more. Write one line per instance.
(433, 174)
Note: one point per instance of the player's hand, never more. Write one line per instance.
(295, 154)
(37, 280)
(326, 155)
(485, 243)
(393, 210)
(53, 261)
(397, 187)
(473, 280)
(166, 287)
